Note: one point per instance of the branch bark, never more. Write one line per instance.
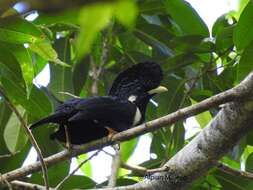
(230, 124)
(217, 138)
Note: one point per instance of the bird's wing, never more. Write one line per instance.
(138, 78)
(110, 111)
(61, 115)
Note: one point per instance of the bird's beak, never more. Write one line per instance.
(158, 90)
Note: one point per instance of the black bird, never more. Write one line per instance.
(96, 117)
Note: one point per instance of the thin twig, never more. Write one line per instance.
(142, 170)
(240, 92)
(97, 70)
(6, 182)
(114, 168)
(30, 136)
(27, 186)
(76, 169)
(69, 94)
(234, 172)
(8, 155)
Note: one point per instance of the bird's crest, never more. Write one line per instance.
(137, 79)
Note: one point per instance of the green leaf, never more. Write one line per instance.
(127, 148)
(56, 173)
(24, 58)
(224, 38)
(61, 76)
(87, 167)
(92, 19)
(126, 12)
(14, 135)
(154, 35)
(245, 65)
(249, 163)
(5, 114)
(158, 145)
(228, 181)
(46, 51)
(186, 17)
(219, 24)
(243, 34)
(15, 161)
(132, 43)
(80, 74)
(77, 182)
(65, 17)
(19, 31)
(154, 41)
(191, 43)
(38, 101)
(180, 61)
(177, 138)
(204, 118)
(151, 7)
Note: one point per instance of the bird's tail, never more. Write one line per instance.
(54, 118)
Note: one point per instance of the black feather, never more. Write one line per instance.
(88, 119)
(137, 79)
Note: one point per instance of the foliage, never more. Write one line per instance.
(87, 47)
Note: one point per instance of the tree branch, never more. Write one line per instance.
(115, 168)
(234, 172)
(30, 136)
(76, 169)
(28, 186)
(198, 145)
(232, 122)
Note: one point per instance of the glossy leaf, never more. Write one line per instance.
(91, 25)
(245, 64)
(76, 181)
(243, 34)
(5, 114)
(46, 51)
(61, 76)
(19, 31)
(249, 163)
(224, 38)
(126, 11)
(62, 170)
(14, 135)
(179, 11)
(127, 148)
(203, 118)
(87, 167)
(231, 182)
(24, 58)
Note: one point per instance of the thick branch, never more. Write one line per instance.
(196, 158)
(239, 92)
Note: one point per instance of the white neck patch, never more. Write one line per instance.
(132, 98)
(137, 116)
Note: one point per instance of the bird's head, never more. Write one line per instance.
(139, 83)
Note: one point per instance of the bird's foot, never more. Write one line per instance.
(111, 132)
